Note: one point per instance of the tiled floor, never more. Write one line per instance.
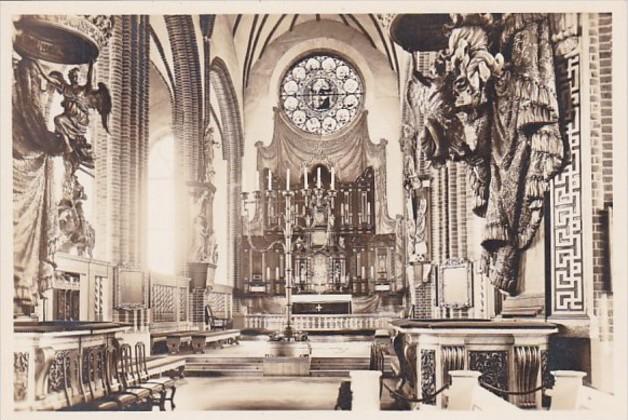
(285, 393)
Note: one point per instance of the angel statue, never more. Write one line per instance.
(71, 125)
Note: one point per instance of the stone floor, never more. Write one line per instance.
(268, 393)
(278, 393)
(320, 348)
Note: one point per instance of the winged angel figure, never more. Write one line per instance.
(72, 125)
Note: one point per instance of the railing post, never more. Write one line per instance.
(567, 389)
(460, 393)
(365, 390)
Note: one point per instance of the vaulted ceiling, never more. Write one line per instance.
(253, 33)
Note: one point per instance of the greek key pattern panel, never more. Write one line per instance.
(20, 378)
(493, 365)
(566, 201)
(428, 375)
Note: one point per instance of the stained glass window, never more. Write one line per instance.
(321, 94)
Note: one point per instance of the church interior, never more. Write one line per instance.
(313, 212)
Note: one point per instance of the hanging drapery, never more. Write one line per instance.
(34, 209)
(351, 152)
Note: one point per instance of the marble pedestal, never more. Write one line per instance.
(511, 355)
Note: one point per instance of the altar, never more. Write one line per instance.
(321, 304)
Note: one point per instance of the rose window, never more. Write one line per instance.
(321, 94)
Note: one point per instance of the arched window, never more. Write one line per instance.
(321, 94)
(161, 206)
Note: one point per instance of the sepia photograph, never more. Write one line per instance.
(251, 207)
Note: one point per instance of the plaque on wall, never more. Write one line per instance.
(131, 289)
(455, 284)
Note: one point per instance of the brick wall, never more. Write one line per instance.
(121, 155)
(600, 50)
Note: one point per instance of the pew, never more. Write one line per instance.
(196, 338)
(201, 338)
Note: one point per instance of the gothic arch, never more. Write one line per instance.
(232, 152)
(187, 118)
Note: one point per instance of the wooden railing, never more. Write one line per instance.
(319, 322)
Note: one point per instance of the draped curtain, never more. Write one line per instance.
(350, 151)
(34, 207)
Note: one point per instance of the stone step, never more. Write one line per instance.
(224, 373)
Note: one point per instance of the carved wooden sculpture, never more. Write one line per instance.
(491, 102)
(60, 39)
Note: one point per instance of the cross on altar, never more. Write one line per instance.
(318, 307)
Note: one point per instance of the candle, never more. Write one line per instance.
(363, 272)
(270, 180)
(372, 272)
(305, 177)
(267, 273)
(333, 178)
(276, 273)
(288, 179)
(257, 184)
(318, 177)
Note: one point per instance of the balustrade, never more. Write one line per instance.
(318, 322)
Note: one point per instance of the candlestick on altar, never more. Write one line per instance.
(333, 178)
(318, 177)
(270, 180)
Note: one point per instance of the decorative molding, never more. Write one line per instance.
(452, 359)
(567, 274)
(527, 365)
(546, 376)
(565, 31)
(20, 375)
(493, 365)
(458, 264)
(428, 375)
(56, 375)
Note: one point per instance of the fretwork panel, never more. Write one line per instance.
(566, 201)
(163, 303)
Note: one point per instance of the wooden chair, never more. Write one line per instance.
(156, 391)
(143, 377)
(133, 378)
(98, 395)
(118, 384)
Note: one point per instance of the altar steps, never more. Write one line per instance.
(252, 366)
(223, 366)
